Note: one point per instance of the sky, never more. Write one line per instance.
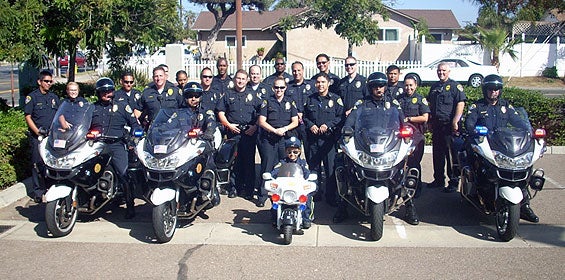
(465, 11)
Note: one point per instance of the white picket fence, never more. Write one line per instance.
(193, 68)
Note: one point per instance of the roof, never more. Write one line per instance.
(252, 20)
(436, 19)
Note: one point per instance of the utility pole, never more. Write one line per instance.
(239, 34)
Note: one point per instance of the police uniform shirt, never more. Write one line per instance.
(152, 101)
(321, 110)
(376, 108)
(270, 80)
(493, 116)
(41, 107)
(334, 81)
(299, 93)
(414, 106)
(443, 99)
(132, 98)
(278, 114)
(240, 107)
(222, 85)
(209, 99)
(395, 91)
(352, 91)
(110, 118)
(262, 90)
(204, 118)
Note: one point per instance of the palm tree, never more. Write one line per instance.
(496, 40)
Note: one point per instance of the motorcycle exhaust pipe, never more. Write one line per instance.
(536, 180)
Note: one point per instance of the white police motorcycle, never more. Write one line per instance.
(501, 164)
(76, 159)
(289, 194)
(372, 176)
(179, 168)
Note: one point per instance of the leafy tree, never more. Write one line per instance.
(222, 9)
(344, 17)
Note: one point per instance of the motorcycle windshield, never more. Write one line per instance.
(168, 131)
(376, 131)
(290, 169)
(70, 126)
(515, 137)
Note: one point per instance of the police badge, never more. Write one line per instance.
(358, 84)
(503, 109)
(307, 87)
(387, 105)
(115, 108)
(249, 97)
(447, 88)
(330, 103)
(230, 85)
(287, 106)
(170, 92)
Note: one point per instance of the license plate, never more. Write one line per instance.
(58, 143)
(160, 149)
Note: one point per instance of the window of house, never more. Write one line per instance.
(389, 35)
(231, 41)
(437, 38)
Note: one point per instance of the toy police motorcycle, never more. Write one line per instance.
(289, 194)
(373, 177)
(76, 159)
(499, 167)
(179, 168)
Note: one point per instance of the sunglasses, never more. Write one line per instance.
(293, 153)
(280, 63)
(494, 88)
(277, 87)
(350, 64)
(128, 82)
(47, 81)
(321, 62)
(193, 96)
(207, 77)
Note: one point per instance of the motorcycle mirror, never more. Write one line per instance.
(267, 176)
(481, 130)
(539, 133)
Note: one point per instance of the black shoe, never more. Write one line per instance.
(340, 216)
(306, 224)
(260, 204)
(223, 191)
(450, 189)
(435, 184)
(411, 217)
(526, 213)
(232, 193)
(203, 215)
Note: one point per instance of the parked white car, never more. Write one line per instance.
(462, 70)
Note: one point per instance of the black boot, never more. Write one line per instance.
(410, 216)
(526, 213)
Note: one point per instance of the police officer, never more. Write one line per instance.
(39, 109)
(322, 114)
(280, 72)
(222, 82)
(292, 150)
(416, 111)
(299, 89)
(237, 112)
(209, 96)
(75, 101)
(255, 86)
(352, 87)
(203, 118)
(129, 94)
(160, 95)
(323, 64)
(447, 101)
(110, 117)
(278, 118)
(493, 112)
(394, 87)
(377, 104)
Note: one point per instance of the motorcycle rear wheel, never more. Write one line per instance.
(287, 234)
(377, 220)
(60, 222)
(507, 219)
(164, 221)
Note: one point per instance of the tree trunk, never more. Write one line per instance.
(495, 61)
(349, 48)
(220, 15)
(72, 65)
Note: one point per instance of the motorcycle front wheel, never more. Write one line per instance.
(164, 221)
(60, 216)
(507, 219)
(377, 220)
(287, 234)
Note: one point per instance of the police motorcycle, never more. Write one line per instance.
(499, 167)
(179, 168)
(372, 175)
(289, 194)
(76, 159)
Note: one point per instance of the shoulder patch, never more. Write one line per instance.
(339, 102)
(28, 99)
(278, 165)
(395, 102)
(424, 101)
(264, 103)
(460, 87)
(128, 109)
(359, 102)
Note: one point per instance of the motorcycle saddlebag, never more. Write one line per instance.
(226, 154)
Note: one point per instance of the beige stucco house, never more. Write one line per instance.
(260, 29)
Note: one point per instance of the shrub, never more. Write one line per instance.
(14, 148)
(550, 72)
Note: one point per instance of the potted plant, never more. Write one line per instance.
(260, 51)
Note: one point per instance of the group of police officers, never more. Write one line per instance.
(265, 113)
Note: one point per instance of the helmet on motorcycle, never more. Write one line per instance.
(292, 142)
(377, 79)
(492, 83)
(104, 84)
(192, 89)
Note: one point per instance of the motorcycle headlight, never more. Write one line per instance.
(289, 196)
(384, 161)
(66, 162)
(520, 162)
(167, 163)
